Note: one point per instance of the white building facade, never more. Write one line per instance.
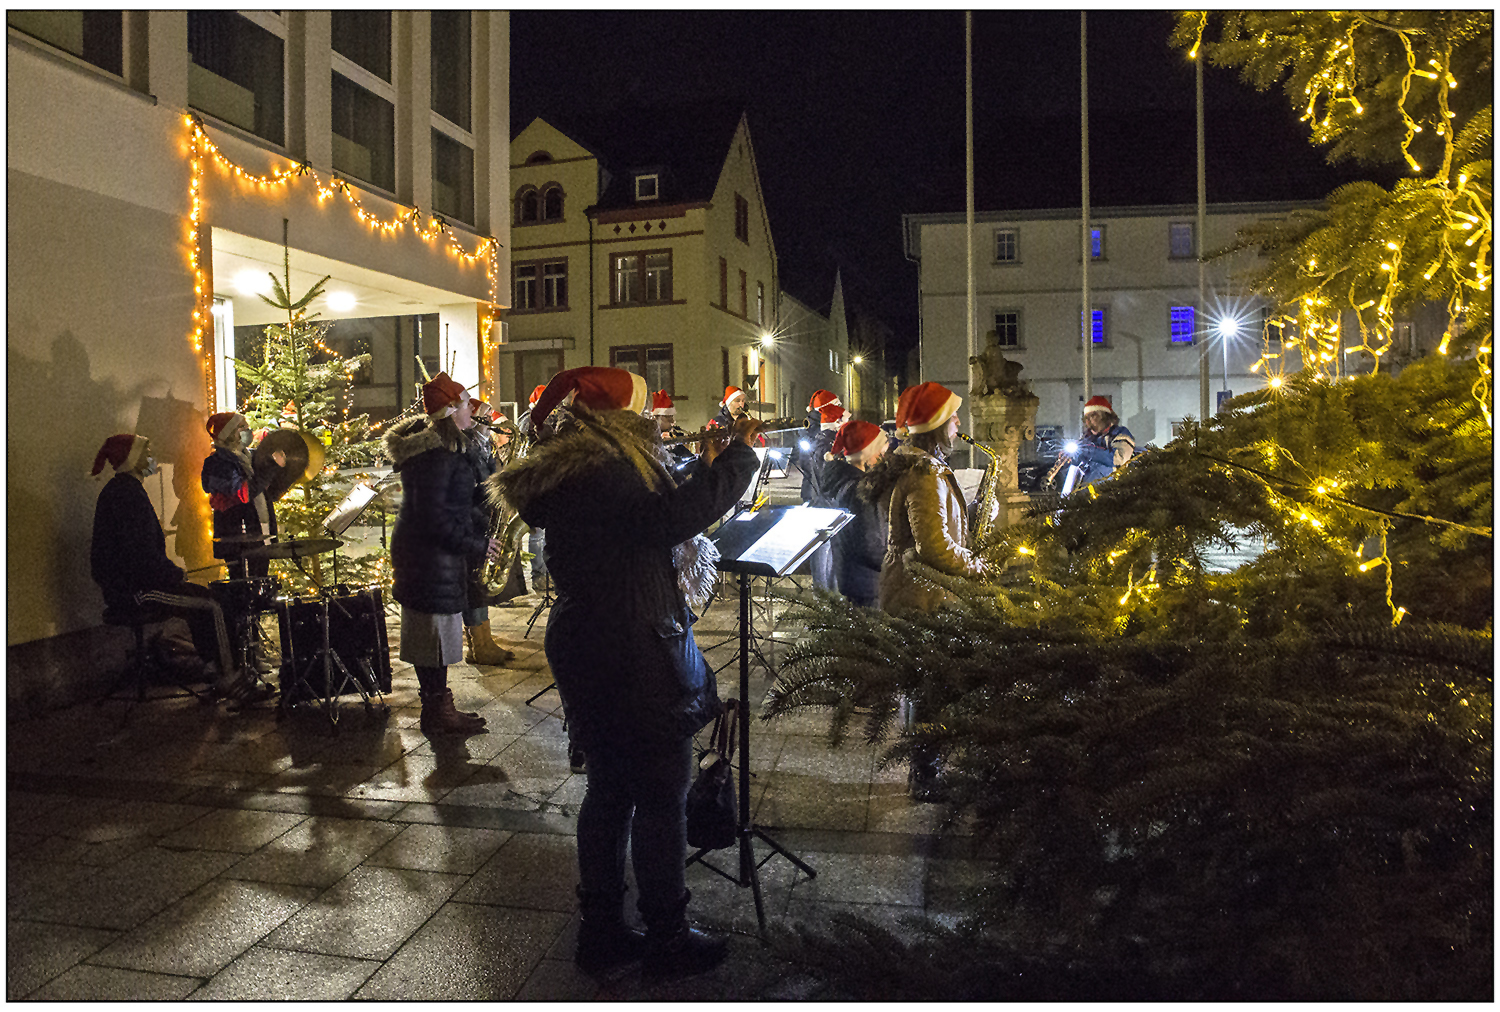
(1150, 330)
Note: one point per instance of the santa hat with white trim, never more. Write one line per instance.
(821, 399)
(925, 407)
(661, 404)
(441, 395)
(124, 452)
(833, 415)
(224, 423)
(535, 393)
(729, 394)
(1099, 404)
(596, 387)
(859, 441)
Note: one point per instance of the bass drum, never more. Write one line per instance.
(356, 633)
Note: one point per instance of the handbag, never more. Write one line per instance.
(712, 822)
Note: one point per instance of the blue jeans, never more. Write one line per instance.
(636, 795)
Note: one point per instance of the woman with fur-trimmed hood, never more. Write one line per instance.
(435, 537)
(627, 563)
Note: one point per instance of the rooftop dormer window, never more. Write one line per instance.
(646, 186)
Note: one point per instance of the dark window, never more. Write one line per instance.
(1100, 333)
(651, 361)
(744, 296)
(552, 203)
(451, 67)
(645, 187)
(1006, 249)
(1180, 241)
(555, 285)
(760, 303)
(723, 283)
(741, 218)
(452, 178)
(364, 135)
(96, 37)
(1008, 328)
(1184, 324)
(236, 73)
(532, 368)
(365, 38)
(641, 278)
(528, 206)
(525, 287)
(1271, 329)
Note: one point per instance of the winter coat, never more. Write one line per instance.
(129, 551)
(619, 638)
(807, 462)
(821, 445)
(435, 533)
(859, 548)
(928, 523)
(1104, 452)
(233, 484)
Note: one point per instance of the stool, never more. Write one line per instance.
(136, 618)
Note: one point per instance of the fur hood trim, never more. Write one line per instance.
(878, 482)
(414, 436)
(582, 446)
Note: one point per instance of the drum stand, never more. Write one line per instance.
(542, 605)
(325, 659)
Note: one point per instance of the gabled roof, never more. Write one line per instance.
(685, 144)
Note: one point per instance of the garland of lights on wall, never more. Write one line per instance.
(1314, 328)
(430, 228)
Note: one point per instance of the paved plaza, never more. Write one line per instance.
(194, 852)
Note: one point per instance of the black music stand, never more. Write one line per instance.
(767, 542)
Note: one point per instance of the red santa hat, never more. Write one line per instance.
(730, 392)
(822, 399)
(833, 415)
(223, 423)
(440, 395)
(123, 452)
(661, 403)
(480, 408)
(536, 392)
(924, 407)
(857, 440)
(1099, 404)
(596, 387)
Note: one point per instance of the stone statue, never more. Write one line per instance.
(991, 372)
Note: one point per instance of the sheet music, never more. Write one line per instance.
(786, 540)
(352, 506)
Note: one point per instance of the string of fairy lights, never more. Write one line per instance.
(431, 228)
(1314, 326)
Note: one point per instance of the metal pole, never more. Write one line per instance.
(969, 197)
(1087, 318)
(1198, 320)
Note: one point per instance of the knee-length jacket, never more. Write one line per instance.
(436, 533)
(928, 523)
(619, 638)
(858, 549)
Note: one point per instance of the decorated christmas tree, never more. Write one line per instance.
(300, 383)
(1222, 723)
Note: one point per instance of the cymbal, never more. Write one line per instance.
(304, 459)
(296, 549)
(242, 539)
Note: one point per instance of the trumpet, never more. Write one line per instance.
(766, 427)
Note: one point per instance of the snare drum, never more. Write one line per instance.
(247, 596)
(356, 633)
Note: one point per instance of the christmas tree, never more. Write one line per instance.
(1222, 723)
(301, 383)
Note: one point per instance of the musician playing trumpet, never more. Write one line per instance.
(237, 490)
(1105, 444)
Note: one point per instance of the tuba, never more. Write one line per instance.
(509, 529)
(986, 497)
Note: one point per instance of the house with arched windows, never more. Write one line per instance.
(641, 241)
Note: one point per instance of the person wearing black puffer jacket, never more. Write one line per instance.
(628, 564)
(859, 548)
(434, 539)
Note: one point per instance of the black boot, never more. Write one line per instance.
(605, 941)
(673, 949)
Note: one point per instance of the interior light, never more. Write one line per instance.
(340, 302)
(251, 282)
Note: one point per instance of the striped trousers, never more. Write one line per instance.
(204, 617)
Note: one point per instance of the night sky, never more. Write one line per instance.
(858, 117)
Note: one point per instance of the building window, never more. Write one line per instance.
(96, 37)
(723, 284)
(552, 203)
(760, 303)
(651, 361)
(451, 67)
(364, 37)
(533, 368)
(1271, 330)
(646, 186)
(744, 296)
(1101, 332)
(1180, 241)
(528, 206)
(452, 178)
(1006, 248)
(741, 218)
(524, 294)
(237, 73)
(641, 278)
(364, 134)
(1008, 328)
(1184, 324)
(1096, 243)
(555, 285)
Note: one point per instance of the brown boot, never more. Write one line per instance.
(482, 647)
(440, 717)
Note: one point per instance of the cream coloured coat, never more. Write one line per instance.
(929, 523)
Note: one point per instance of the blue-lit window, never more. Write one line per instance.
(1184, 324)
(1099, 328)
(1096, 242)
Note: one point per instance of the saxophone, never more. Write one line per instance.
(985, 513)
(506, 527)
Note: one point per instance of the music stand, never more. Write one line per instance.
(767, 542)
